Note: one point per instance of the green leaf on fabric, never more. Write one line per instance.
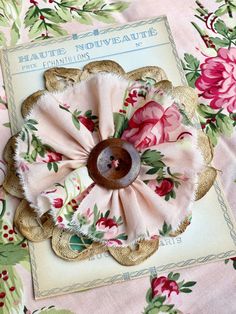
(213, 134)
(175, 276)
(31, 16)
(55, 166)
(49, 165)
(220, 42)
(166, 308)
(36, 29)
(83, 18)
(122, 236)
(152, 171)
(64, 14)
(11, 254)
(34, 154)
(119, 6)
(191, 61)
(149, 295)
(225, 124)
(15, 34)
(12, 300)
(160, 298)
(51, 15)
(152, 158)
(53, 310)
(93, 5)
(7, 124)
(76, 121)
(121, 123)
(166, 229)
(221, 28)
(56, 30)
(189, 284)
(185, 290)
(69, 2)
(206, 111)
(32, 121)
(191, 66)
(104, 17)
(31, 127)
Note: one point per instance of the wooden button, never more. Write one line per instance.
(114, 163)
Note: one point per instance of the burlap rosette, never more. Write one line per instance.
(69, 202)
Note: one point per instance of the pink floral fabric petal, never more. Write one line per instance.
(62, 129)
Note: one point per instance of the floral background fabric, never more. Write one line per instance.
(205, 36)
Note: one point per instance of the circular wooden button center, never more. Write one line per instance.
(114, 163)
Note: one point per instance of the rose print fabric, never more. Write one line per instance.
(218, 80)
(62, 129)
(130, 296)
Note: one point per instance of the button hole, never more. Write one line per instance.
(109, 166)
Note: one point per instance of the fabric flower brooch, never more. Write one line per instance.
(110, 163)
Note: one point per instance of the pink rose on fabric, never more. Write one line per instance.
(163, 285)
(88, 123)
(162, 188)
(151, 125)
(52, 157)
(58, 202)
(108, 226)
(218, 79)
(166, 185)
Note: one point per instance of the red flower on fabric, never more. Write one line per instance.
(163, 284)
(74, 204)
(165, 187)
(132, 98)
(58, 202)
(59, 219)
(88, 123)
(108, 226)
(52, 157)
(151, 125)
(218, 79)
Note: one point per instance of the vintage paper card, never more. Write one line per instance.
(132, 45)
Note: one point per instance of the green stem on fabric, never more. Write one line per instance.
(199, 17)
(171, 174)
(3, 208)
(82, 10)
(28, 140)
(43, 20)
(227, 2)
(200, 5)
(199, 30)
(21, 241)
